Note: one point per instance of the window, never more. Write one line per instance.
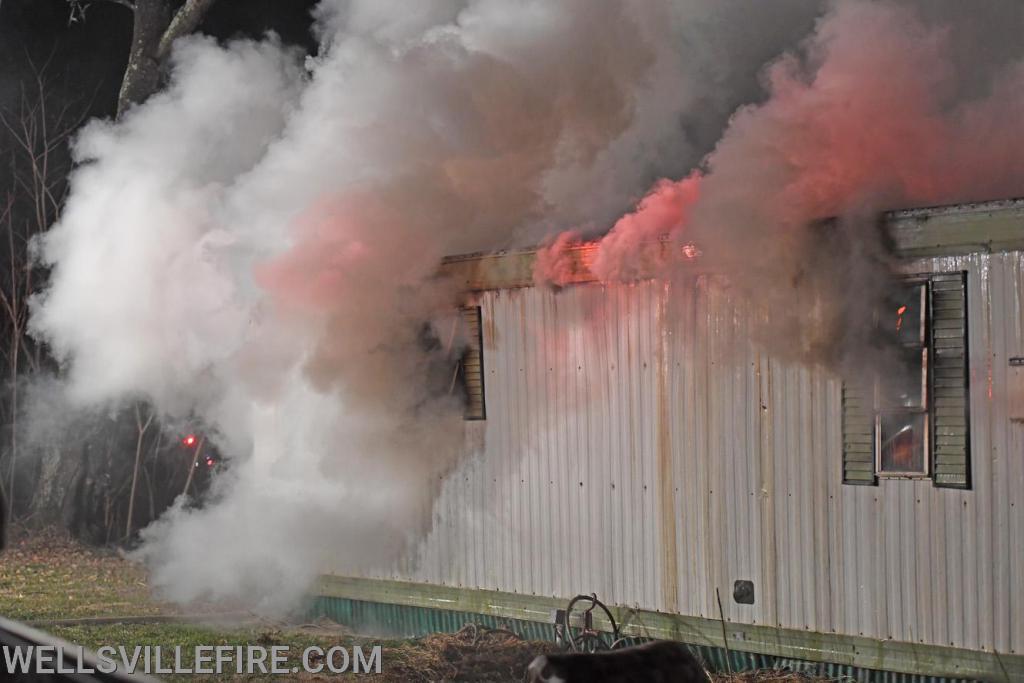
(901, 396)
(911, 420)
(471, 365)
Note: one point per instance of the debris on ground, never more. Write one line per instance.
(477, 653)
(473, 653)
(769, 676)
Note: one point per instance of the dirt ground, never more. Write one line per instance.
(95, 597)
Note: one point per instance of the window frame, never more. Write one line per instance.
(927, 382)
(472, 317)
(947, 352)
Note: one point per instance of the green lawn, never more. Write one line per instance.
(188, 637)
(49, 578)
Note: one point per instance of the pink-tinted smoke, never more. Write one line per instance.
(865, 116)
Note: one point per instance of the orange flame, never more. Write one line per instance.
(899, 317)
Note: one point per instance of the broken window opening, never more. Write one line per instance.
(901, 395)
(470, 370)
(911, 418)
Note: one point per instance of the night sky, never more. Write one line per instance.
(87, 58)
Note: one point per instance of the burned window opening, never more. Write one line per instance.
(469, 372)
(901, 396)
(911, 420)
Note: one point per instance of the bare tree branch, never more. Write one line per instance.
(185, 21)
(79, 8)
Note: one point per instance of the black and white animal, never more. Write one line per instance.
(658, 662)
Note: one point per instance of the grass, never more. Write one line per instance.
(188, 637)
(49, 578)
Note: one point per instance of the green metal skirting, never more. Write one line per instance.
(404, 609)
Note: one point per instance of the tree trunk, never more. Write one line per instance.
(192, 468)
(135, 471)
(11, 488)
(155, 30)
(60, 484)
(142, 75)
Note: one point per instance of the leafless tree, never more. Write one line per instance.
(82, 477)
(142, 426)
(38, 130)
(157, 24)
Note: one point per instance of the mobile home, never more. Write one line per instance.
(661, 460)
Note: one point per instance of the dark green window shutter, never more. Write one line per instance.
(950, 387)
(858, 435)
(472, 365)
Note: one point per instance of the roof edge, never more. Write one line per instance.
(947, 230)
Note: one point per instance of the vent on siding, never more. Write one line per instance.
(950, 396)
(858, 435)
(472, 365)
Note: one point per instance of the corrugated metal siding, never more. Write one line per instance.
(639, 447)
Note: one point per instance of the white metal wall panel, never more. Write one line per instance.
(638, 445)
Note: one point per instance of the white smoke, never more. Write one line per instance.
(257, 244)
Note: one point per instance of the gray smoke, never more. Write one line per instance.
(257, 244)
(884, 105)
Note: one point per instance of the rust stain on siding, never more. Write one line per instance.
(490, 331)
(666, 478)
